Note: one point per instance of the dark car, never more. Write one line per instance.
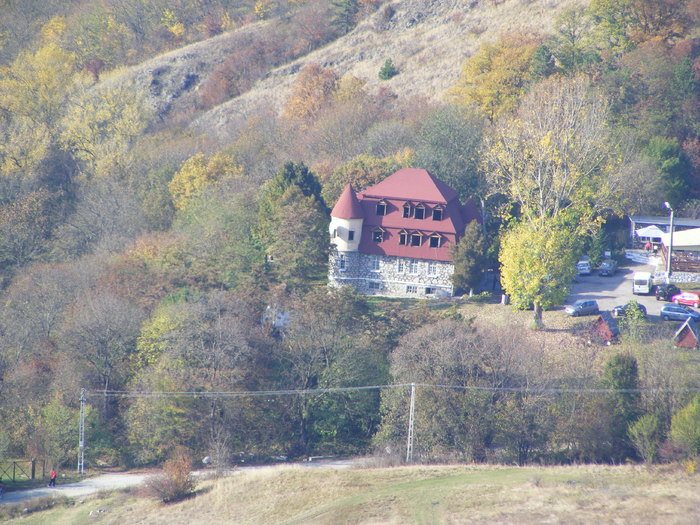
(621, 311)
(664, 292)
(582, 307)
(678, 312)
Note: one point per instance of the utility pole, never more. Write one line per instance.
(669, 252)
(411, 411)
(81, 434)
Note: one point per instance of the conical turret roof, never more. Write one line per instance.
(347, 207)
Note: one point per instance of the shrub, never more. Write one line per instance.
(176, 482)
(685, 428)
(388, 70)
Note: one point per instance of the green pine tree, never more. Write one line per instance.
(388, 70)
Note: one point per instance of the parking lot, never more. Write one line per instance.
(614, 290)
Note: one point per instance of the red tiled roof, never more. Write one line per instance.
(347, 207)
(412, 184)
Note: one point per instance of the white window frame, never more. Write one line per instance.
(374, 263)
(413, 267)
(342, 263)
(432, 268)
(411, 288)
(400, 266)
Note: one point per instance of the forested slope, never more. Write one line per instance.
(166, 171)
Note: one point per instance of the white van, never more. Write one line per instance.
(642, 283)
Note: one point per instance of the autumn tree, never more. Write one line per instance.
(102, 125)
(197, 173)
(572, 44)
(100, 332)
(203, 342)
(312, 90)
(562, 166)
(321, 348)
(361, 172)
(538, 261)
(447, 145)
(496, 75)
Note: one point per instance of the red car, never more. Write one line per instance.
(687, 298)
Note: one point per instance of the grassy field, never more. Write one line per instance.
(406, 495)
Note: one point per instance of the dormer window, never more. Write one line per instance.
(407, 210)
(435, 240)
(378, 235)
(437, 213)
(419, 212)
(381, 208)
(416, 239)
(403, 237)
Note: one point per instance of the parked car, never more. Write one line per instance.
(677, 312)
(664, 292)
(582, 307)
(621, 311)
(607, 267)
(688, 298)
(583, 267)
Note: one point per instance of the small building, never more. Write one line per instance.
(605, 329)
(687, 335)
(394, 238)
(663, 223)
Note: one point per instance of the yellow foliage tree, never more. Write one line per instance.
(36, 85)
(496, 75)
(197, 173)
(537, 264)
(101, 126)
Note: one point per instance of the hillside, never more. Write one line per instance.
(437, 494)
(428, 41)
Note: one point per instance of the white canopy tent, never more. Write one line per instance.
(650, 232)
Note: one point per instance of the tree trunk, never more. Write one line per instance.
(539, 324)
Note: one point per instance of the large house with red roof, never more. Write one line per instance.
(394, 238)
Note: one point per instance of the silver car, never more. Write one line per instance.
(582, 307)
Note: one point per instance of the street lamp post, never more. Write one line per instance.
(670, 245)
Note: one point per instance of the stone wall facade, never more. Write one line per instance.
(390, 276)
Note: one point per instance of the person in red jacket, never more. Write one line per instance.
(52, 478)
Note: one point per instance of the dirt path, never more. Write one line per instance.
(82, 488)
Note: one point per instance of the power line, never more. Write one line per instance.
(316, 391)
